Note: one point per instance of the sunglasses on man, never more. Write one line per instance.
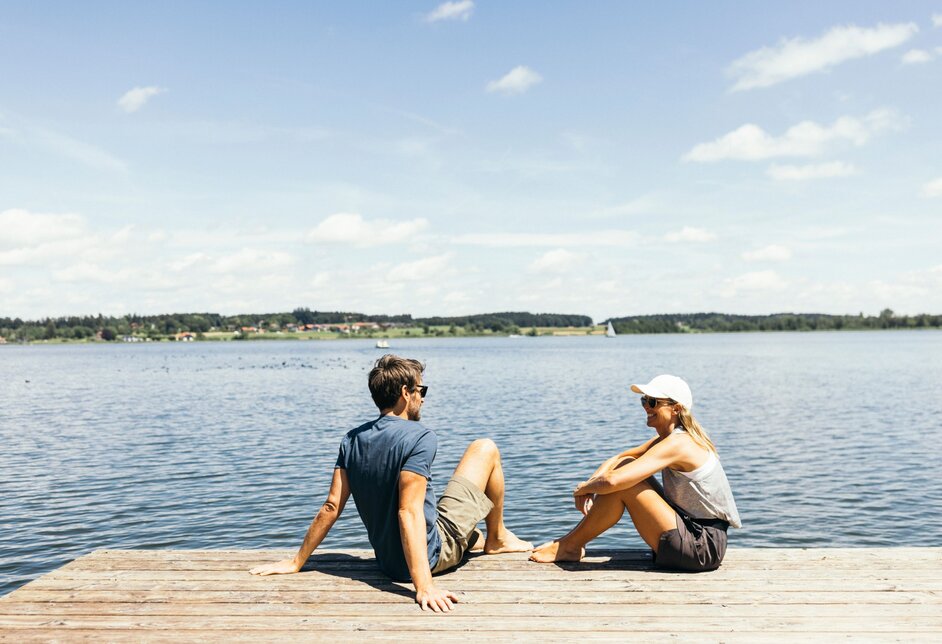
(653, 402)
(422, 389)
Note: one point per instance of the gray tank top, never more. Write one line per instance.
(702, 493)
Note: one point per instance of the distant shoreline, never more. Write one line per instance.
(305, 324)
(594, 331)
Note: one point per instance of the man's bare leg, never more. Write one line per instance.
(481, 465)
(650, 513)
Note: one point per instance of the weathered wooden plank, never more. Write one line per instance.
(458, 622)
(549, 574)
(678, 583)
(491, 609)
(370, 595)
(234, 637)
(732, 555)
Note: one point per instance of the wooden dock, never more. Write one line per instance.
(758, 595)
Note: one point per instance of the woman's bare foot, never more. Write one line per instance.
(554, 551)
(508, 542)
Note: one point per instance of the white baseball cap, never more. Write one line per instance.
(665, 386)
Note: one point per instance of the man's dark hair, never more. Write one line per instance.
(389, 375)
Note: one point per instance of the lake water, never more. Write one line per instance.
(828, 439)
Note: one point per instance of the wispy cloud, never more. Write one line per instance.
(937, 20)
(770, 253)
(517, 81)
(136, 98)
(251, 260)
(933, 188)
(750, 142)
(352, 228)
(85, 153)
(24, 228)
(555, 261)
(812, 171)
(796, 57)
(690, 234)
(421, 269)
(602, 238)
(754, 281)
(916, 56)
(459, 10)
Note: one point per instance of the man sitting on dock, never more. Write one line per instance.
(387, 465)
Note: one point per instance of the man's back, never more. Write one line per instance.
(373, 455)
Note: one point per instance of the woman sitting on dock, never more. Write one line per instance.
(684, 522)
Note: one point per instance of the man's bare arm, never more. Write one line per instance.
(320, 526)
(414, 545)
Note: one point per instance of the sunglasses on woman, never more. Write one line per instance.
(653, 402)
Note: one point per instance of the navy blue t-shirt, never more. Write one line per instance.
(373, 455)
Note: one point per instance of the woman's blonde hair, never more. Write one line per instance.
(694, 430)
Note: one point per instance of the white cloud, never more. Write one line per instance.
(796, 57)
(618, 238)
(812, 171)
(771, 253)
(641, 205)
(351, 228)
(459, 10)
(6, 285)
(85, 153)
(933, 188)
(690, 234)
(87, 272)
(251, 260)
(420, 269)
(19, 227)
(516, 81)
(135, 99)
(187, 262)
(456, 297)
(750, 282)
(914, 56)
(555, 261)
(937, 20)
(751, 143)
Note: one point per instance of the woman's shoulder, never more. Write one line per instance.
(688, 454)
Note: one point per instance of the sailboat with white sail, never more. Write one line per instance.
(610, 331)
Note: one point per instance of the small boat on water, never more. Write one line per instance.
(610, 331)
(382, 344)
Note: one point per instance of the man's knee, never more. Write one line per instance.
(485, 447)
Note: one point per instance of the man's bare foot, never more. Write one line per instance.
(553, 551)
(507, 543)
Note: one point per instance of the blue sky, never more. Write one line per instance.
(450, 158)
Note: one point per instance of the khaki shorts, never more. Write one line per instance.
(461, 507)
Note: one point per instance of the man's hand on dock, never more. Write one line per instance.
(283, 567)
(440, 601)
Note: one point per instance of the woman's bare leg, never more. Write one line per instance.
(650, 513)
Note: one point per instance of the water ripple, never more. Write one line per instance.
(829, 439)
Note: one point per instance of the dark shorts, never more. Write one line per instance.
(694, 545)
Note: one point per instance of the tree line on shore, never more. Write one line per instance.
(165, 325)
(158, 327)
(727, 323)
